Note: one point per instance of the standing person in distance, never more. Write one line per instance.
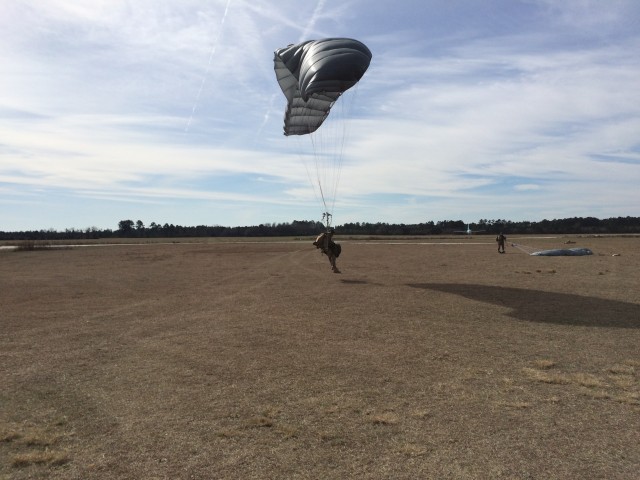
(501, 239)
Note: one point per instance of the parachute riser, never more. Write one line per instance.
(326, 219)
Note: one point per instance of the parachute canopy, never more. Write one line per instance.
(313, 75)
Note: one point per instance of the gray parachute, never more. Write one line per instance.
(313, 75)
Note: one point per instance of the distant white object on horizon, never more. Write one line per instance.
(468, 231)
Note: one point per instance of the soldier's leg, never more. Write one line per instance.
(332, 260)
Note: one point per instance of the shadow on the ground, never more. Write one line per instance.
(547, 307)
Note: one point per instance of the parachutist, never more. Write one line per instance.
(331, 249)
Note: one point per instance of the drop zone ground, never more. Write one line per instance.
(427, 358)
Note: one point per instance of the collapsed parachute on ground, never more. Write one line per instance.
(566, 252)
(313, 75)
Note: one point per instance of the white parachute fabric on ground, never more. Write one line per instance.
(563, 252)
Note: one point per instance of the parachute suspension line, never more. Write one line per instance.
(524, 248)
(317, 147)
(336, 155)
(301, 156)
(328, 145)
(306, 166)
(347, 101)
(315, 178)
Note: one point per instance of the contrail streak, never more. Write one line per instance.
(312, 21)
(206, 74)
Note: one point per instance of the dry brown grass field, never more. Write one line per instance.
(426, 358)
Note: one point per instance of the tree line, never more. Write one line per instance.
(137, 229)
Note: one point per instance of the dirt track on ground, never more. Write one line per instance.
(429, 359)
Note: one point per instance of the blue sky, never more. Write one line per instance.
(168, 111)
